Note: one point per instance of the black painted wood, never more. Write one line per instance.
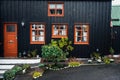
(97, 13)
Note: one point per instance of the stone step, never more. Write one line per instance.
(20, 61)
(1, 76)
(9, 63)
(2, 71)
(6, 67)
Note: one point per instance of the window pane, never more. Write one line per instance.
(78, 39)
(84, 33)
(41, 32)
(78, 27)
(84, 39)
(59, 6)
(62, 32)
(52, 11)
(55, 32)
(33, 38)
(41, 26)
(33, 32)
(52, 6)
(10, 28)
(59, 11)
(33, 26)
(41, 38)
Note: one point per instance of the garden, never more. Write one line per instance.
(54, 58)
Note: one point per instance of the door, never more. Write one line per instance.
(116, 39)
(10, 40)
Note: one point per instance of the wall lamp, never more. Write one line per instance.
(22, 23)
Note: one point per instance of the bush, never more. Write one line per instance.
(106, 60)
(95, 55)
(50, 52)
(63, 44)
(37, 74)
(9, 75)
(111, 50)
(74, 64)
(25, 66)
(16, 68)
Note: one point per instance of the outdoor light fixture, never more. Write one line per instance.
(22, 23)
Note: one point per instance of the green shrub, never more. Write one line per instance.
(9, 75)
(37, 74)
(50, 52)
(16, 68)
(74, 64)
(106, 60)
(25, 66)
(63, 44)
(95, 55)
(34, 53)
(111, 50)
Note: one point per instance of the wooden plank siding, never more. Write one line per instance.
(96, 13)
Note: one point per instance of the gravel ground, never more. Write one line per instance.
(89, 72)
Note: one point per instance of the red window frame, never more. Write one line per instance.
(55, 9)
(81, 33)
(61, 30)
(37, 33)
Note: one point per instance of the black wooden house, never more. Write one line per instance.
(26, 25)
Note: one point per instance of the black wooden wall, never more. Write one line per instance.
(97, 13)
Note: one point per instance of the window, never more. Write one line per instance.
(55, 9)
(81, 34)
(59, 30)
(37, 33)
(10, 28)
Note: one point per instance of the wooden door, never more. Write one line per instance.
(10, 40)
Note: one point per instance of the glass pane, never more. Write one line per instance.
(41, 26)
(84, 39)
(61, 27)
(78, 39)
(55, 32)
(78, 33)
(59, 11)
(78, 27)
(60, 32)
(36, 38)
(84, 33)
(59, 6)
(33, 38)
(56, 27)
(41, 32)
(64, 27)
(33, 26)
(52, 6)
(10, 28)
(33, 32)
(41, 38)
(52, 11)
(63, 32)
